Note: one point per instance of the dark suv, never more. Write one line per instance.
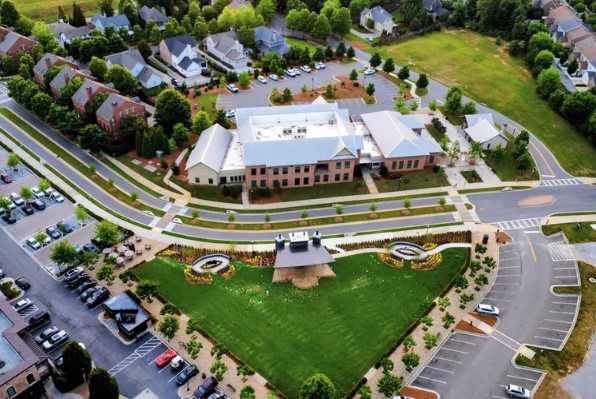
(205, 389)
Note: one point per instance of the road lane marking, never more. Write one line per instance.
(448, 360)
(508, 275)
(553, 329)
(463, 342)
(498, 340)
(552, 173)
(552, 339)
(455, 350)
(559, 321)
(508, 337)
(508, 267)
(531, 248)
(436, 368)
(432, 379)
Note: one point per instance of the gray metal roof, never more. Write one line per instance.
(117, 21)
(571, 24)
(146, 13)
(224, 41)
(177, 44)
(128, 59)
(186, 62)
(59, 80)
(123, 304)
(269, 41)
(211, 148)
(106, 109)
(308, 255)
(80, 96)
(483, 131)
(378, 14)
(41, 66)
(472, 119)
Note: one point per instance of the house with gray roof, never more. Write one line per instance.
(480, 128)
(134, 62)
(45, 63)
(146, 13)
(114, 108)
(62, 78)
(117, 21)
(11, 44)
(87, 92)
(269, 41)
(434, 8)
(181, 53)
(383, 20)
(204, 164)
(65, 32)
(226, 48)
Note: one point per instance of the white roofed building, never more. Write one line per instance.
(481, 128)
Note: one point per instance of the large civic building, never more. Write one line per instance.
(304, 145)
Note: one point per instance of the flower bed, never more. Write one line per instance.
(193, 278)
(438, 239)
(430, 262)
(188, 255)
(390, 260)
(229, 272)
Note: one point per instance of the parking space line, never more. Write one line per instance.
(495, 299)
(508, 275)
(463, 342)
(436, 368)
(509, 267)
(565, 276)
(432, 379)
(163, 368)
(498, 397)
(498, 340)
(554, 311)
(183, 368)
(454, 350)
(564, 268)
(565, 303)
(559, 321)
(553, 329)
(521, 378)
(552, 339)
(504, 283)
(447, 360)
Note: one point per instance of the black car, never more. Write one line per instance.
(27, 210)
(38, 319)
(88, 292)
(78, 281)
(176, 83)
(90, 248)
(206, 72)
(98, 297)
(53, 232)
(9, 218)
(84, 286)
(22, 283)
(39, 205)
(187, 374)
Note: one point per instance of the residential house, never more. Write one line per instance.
(146, 13)
(545, 5)
(204, 165)
(65, 32)
(12, 43)
(100, 22)
(110, 113)
(481, 128)
(181, 53)
(269, 41)
(383, 20)
(434, 8)
(562, 20)
(575, 36)
(62, 78)
(134, 62)
(47, 62)
(24, 364)
(587, 65)
(87, 92)
(226, 47)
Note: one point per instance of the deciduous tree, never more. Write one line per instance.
(168, 326)
(171, 108)
(318, 386)
(102, 385)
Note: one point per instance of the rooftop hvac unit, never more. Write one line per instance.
(331, 121)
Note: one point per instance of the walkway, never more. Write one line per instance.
(370, 183)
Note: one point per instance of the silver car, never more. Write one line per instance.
(487, 309)
(515, 391)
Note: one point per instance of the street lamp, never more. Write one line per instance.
(253, 247)
(399, 184)
(313, 83)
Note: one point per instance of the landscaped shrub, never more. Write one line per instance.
(438, 239)
(188, 255)
(168, 308)
(8, 291)
(391, 260)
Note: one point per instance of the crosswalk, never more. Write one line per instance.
(560, 251)
(560, 182)
(140, 352)
(517, 224)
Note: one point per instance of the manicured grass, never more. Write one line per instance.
(471, 176)
(438, 136)
(488, 189)
(505, 167)
(207, 102)
(151, 176)
(414, 180)
(211, 193)
(324, 191)
(340, 328)
(47, 10)
(565, 362)
(421, 92)
(295, 42)
(350, 37)
(488, 74)
(575, 234)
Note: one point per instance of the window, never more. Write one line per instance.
(401, 164)
(210, 181)
(263, 183)
(488, 146)
(306, 169)
(394, 165)
(275, 183)
(432, 159)
(263, 171)
(416, 163)
(338, 165)
(317, 178)
(253, 184)
(297, 169)
(347, 164)
(253, 172)
(284, 170)
(284, 183)
(325, 178)
(305, 181)
(409, 164)
(346, 176)
(30, 378)
(197, 179)
(276, 171)
(11, 392)
(296, 181)
(337, 177)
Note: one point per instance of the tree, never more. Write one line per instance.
(102, 385)
(430, 340)
(5, 203)
(389, 66)
(340, 51)
(524, 162)
(432, 105)
(69, 90)
(122, 79)
(321, 29)
(180, 134)
(26, 193)
(221, 119)
(128, 8)
(168, 326)
(218, 369)
(266, 8)
(318, 386)
(93, 138)
(356, 7)
(244, 80)
(572, 67)
(538, 42)
(341, 21)
(247, 392)
(44, 35)
(404, 73)
(365, 392)
(375, 60)
(78, 17)
(370, 89)
(454, 151)
(64, 254)
(9, 14)
(77, 363)
(543, 60)
(411, 360)
(106, 273)
(287, 95)
(329, 54)
(81, 215)
(422, 81)
(469, 108)
(107, 233)
(353, 75)
(578, 106)
(409, 342)
(44, 184)
(131, 125)
(147, 289)
(498, 152)
(88, 258)
(98, 68)
(41, 236)
(106, 7)
(194, 348)
(40, 104)
(453, 100)
(549, 81)
(475, 151)
(389, 385)
(171, 108)
(387, 365)
(13, 160)
(201, 122)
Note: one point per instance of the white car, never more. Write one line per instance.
(306, 68)
(18, 201)
(48, 192)
(22, 304)
(296, 71)
(37, 193)
(319, 65)
(369, 72)
(274, 77)
(231, 113)
(262, 79)
(515, 391)
(489, 310)
(290, 73)
(33, 243)
(232, 87)
(57, 197)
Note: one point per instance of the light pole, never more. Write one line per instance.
(313, 83)
(398, 184)
(253, 247)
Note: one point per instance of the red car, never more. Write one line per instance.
(6, 178)
(165, 358)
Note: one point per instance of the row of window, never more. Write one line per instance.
(198, 180)
(305, 181)
(297, 169)
(11, 392)
(346, 165)
(401, 164)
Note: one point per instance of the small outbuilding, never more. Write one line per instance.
(132, 320)
(481, 128)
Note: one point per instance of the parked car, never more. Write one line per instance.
(57, 197)
(83, 287)
(53, 232)
(177, 362)
(515, 391)
(205, 388)
(46, 240)
(88, 292)
(319, 65)
(232, 87)
(187, 374)
(487, 309)
(165, 357)
(83, 278)
(37, 193)
(176, 83)
(296, 71)
(65, 228)
(38, 319)
(5, 177)
(73, 273)
(274, 77)
(369, 72)
(32, 242)
(48, 192)
(22, 304)
(306, 68)
(2, 274)
(218, 394)
(231, 114)
(39, 205)
(98, 297)
(90, 248)
(55, 341)
(262, 79)
(290, 73)
(47, 333)
(27, 210)
(9, 218)
(206, 72)
(18, 201)
(22, 283)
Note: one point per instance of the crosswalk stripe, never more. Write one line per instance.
(560, 251)
(517, 224)
(561, 182)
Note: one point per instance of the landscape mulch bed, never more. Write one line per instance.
(418, 393)
(465, 326)
(490, 320)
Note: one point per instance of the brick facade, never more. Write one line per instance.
(21, 43)
(335, 171)
(119, 111)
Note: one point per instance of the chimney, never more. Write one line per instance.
(48, 63)
(279, 242)
(316, 238)
(89, 91)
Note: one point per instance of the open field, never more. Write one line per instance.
(340, 328)
(488, 74)
(47, 10)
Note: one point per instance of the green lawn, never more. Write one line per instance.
(505, 167)
(438, 136)
(210, 193)
(574, 234)
(294, 42)
(340, 328)
(488, 74)
(47, 10)
(154, 177)
(207, 102)
(350, 37)
(471, 176)
(324, 191)
(414, 180)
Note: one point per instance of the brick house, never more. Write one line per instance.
(111, 112)
(12, 43)
(83, 97)
(47, 62)
(62, 78)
